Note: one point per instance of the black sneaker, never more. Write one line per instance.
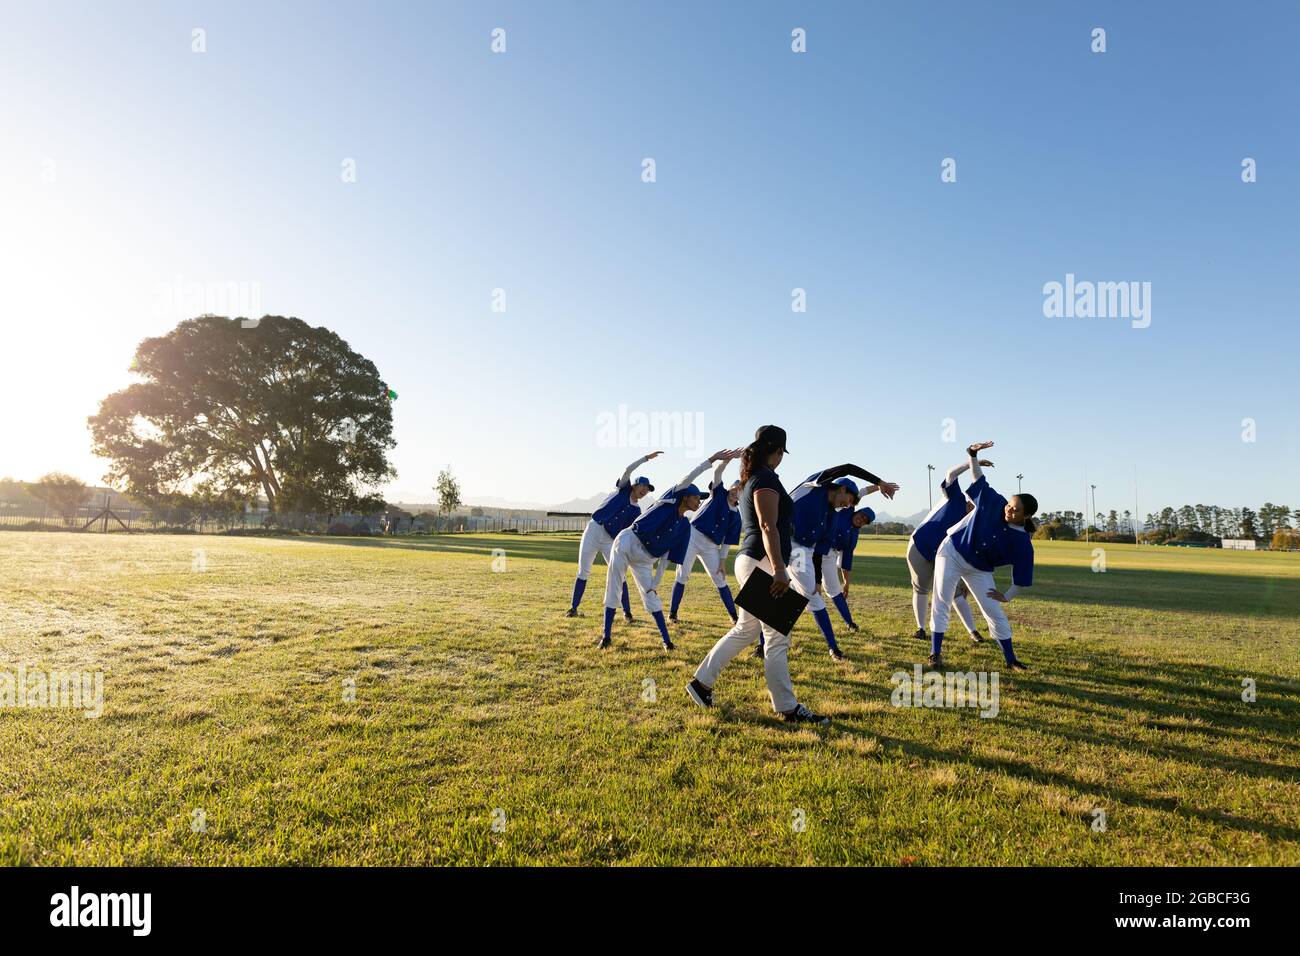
(757, 652)
(627, 616)
(672, 619)
(802, 715)
(852, 627)
(935, 661)
(699, 693)
(669, 646)
(603, 643)
(837, 654)
(977, 637)
(571, 612)
(920, 633)
(1018, 665)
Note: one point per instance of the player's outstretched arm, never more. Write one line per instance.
(725, 455)
(886, 488)
(627, 472)
(974, 463)
(956, 470)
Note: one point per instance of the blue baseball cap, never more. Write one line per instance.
(849, 484)
(871, 515)
(692, 490)
(643, 480)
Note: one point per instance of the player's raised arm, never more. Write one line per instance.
(957, 470)
(974, 463)
(886, 488)
(718, 469)
(627, 472)
(725, 455)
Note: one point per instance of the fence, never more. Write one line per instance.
(97, 519)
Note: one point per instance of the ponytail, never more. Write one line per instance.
(1030, 504)
(755, 456)
(747, 462)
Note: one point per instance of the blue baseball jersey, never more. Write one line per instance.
(812, 512)
(663, 531)
(713, 519)
(985, 539)
(618, 511)
(929, 534)
(843, 537)
(733, 528)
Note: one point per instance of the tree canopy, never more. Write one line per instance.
(281, 409)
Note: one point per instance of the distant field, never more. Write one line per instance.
(477, 701)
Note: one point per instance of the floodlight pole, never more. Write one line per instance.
(929, 484)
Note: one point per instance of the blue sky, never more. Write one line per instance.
(131, 163)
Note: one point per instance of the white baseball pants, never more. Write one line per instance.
(949, 568)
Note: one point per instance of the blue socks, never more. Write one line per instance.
(936, 643)
(579, 585)
(724, 592)
(627, 605)
(663, 626)
(1007, 652)
(842, 605)
(679, 590)
(823, 618)
(609, 620)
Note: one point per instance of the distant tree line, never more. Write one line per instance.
(1271, 524)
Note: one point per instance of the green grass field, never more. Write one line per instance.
(477, 701)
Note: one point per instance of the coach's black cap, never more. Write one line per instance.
(773, 435)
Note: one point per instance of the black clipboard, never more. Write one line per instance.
(779, 613)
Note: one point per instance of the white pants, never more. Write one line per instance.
(776, 653)
(803, 577)
(949, 568)
(922, 572)
(831, 574)
(595, 540)
(629, 554)
(711, 556)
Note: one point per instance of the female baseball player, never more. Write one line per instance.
(615, 513)
(663, 533)
(925, 541)
(766, 514)
(709, 529)
(834, 556)
(994, 533)
(815, 504)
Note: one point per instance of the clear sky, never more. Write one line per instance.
(130, 163)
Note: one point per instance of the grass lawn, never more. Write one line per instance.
(486, 728)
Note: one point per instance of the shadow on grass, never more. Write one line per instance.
(1183, 591)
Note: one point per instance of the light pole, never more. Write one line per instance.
(1018, 477)
(929, 484)
(1094, 502)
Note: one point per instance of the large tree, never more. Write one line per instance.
(282, 409)
(61, 492)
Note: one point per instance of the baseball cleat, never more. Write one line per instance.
(919, 633)
(935, 661)
(1018, 665)
(977, 637)
(571, 612)
(802, 715)
(699, 693)
(603, 643)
